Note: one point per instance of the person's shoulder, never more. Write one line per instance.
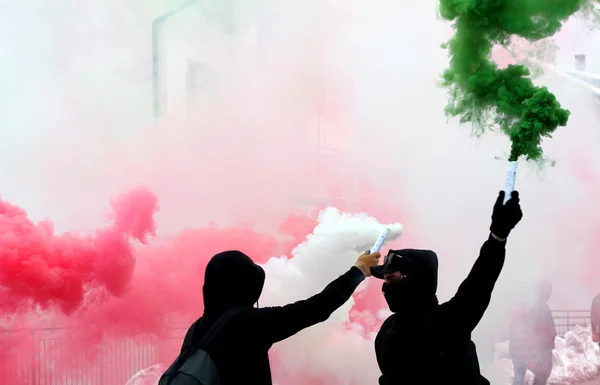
(386, 327)
(237, 319)
(242, 315)
(248, 318)
(389, 321)
(241, 324)
(193, 328)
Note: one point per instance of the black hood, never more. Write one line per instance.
(422, 265)
(231, 280)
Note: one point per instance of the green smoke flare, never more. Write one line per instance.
(485, 95)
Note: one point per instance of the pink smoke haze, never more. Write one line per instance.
(112, 290)
(324, 103)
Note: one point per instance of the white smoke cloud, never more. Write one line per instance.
(328, 252)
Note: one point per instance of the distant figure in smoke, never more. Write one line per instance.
(519, 344)
(532, 336)
(240, 350)
(423, 342)
(595, 319)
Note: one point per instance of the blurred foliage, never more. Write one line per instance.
(590, 15)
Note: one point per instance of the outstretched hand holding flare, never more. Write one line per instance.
(483, 94)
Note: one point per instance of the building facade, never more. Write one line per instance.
(209, 49)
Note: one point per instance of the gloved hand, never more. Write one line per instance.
(505, 216)
(366, 260)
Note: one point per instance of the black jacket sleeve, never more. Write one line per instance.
(280, 322)
(470, 302)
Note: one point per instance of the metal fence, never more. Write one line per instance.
(56, 356)
(45, 356)
(565, 320)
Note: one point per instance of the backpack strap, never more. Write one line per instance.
(215, 328)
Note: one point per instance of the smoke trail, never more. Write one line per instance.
(483, 94)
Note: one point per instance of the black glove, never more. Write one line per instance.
(506, 216)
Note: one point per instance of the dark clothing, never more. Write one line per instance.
(541, 368)
(240, 350)
(519, 334)
(531, 330)
(543, 329)
(531, 341)
(520, 369)
(434, 346)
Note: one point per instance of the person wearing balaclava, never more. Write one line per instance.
(532, 347)
(427, 343)
(232, 285)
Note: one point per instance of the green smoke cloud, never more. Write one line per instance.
(487, 96)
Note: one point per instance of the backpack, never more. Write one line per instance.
(194, 366)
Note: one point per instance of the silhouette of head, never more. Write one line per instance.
(231, 280)
(410, 279)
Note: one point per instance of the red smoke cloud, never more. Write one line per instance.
(39, 268)
(110, 290)
(111, 305)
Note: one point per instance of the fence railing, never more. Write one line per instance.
(55, 356)
(565, 320)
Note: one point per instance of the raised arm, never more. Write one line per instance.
(474, 294)
(471, 300)
(280, 322)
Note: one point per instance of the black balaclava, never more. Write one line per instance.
(231, 280)
(415, 291)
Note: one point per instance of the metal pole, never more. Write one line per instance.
(157, 25)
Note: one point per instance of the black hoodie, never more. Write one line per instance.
(240, 351)
(433, 345)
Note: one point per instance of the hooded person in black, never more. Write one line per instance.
(240, 350)
(423, 342)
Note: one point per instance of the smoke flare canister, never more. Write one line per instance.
(379, 243)
(509, 182)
